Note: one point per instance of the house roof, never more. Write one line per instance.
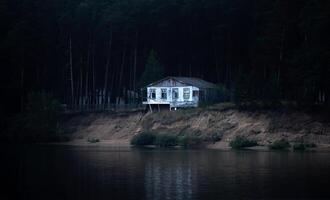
(197, 82)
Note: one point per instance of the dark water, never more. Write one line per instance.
(65, 172)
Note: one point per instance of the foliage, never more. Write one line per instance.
(242, 88)
(224, 93)
(261, 51)
(303, 146)
(279, 145)
(39, 122)
(252, 91)
(165, 140)
(206, 104)
(153, 70)
(189, 141)
(310, 145)
(299, 147)
(144, 138)
(93, 140)
(242, 142)
(42, 114)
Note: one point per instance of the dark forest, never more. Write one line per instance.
(164, 99)
(259, 50)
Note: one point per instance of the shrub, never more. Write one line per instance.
(303, 146)
(299, 147)
(310, 145)
(189, 141)
(242, 142)
(144, 138)
(279, 145)
(93, 140)
(165, 140)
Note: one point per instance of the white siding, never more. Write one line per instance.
(179, 102)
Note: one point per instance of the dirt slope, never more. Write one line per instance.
(217, 121)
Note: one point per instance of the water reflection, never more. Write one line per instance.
(62, 172)
(170, 176)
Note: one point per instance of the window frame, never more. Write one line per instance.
(162, 92)
(186, 95)
(151, 93)
(175, 91)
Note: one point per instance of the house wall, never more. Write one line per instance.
(179, 102)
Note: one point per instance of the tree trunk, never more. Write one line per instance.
(22, 88)
(93, 95)
(86, 91)
(87, 99)
(122, 72)
(135, 60)
(216, 59)
(81, 89)
(281, 55)
(71, 71)
(113, 79)
(105, 90)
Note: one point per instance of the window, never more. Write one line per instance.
(195, 93)
(186, 93)
(175, 93)
(164, 93)
(152, 93)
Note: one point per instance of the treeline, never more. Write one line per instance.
(97, 50)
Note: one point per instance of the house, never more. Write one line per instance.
(179, 92)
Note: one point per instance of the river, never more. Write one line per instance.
(99, 172)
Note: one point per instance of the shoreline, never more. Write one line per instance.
(219, 122)
(223, 146)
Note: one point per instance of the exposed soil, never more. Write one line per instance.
(221, 121)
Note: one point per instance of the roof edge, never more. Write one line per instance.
(212, 85)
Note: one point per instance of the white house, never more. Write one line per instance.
(176, 92)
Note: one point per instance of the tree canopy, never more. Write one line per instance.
(153, 70)
(266, 49)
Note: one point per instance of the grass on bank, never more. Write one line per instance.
(165, 140)
(242, 142)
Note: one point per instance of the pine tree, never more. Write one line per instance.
(153, 70)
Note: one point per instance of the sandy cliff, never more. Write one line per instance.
(218, 121)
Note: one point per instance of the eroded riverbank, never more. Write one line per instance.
(221, 122)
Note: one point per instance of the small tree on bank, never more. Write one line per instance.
(153, 70)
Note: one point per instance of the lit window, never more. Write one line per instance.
(152, 94)
(164, 93)
(186, 93)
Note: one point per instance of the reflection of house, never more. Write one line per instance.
(170, 181)
(178, 92)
